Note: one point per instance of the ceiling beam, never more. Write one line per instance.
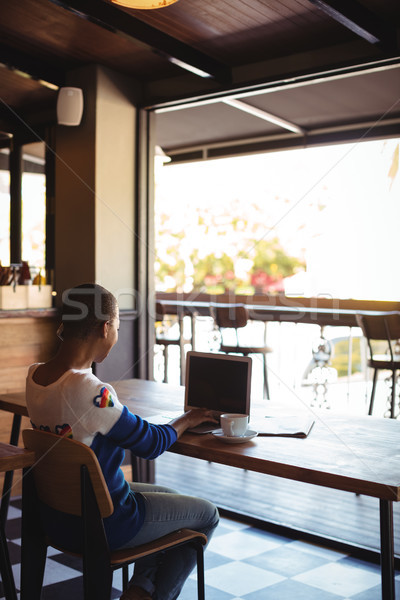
(264, 115)
(360, 21)
(121, 22)
(285, 141)
(285, 82)
(36, 69)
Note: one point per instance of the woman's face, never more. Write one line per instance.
(110, 337)
(113, 330)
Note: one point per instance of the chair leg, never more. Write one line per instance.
(266, 385)
(97, 572)
(125, 577)
(165, 364)
(8, 477)
(7, 576)
(393, 400)
(371, 403)
(200, 571)
(33, 546)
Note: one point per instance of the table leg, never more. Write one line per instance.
(181, 349)
(143, 470)
(387, 549)
(193, 323)
(8, 476)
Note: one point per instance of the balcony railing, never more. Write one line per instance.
(319, 354)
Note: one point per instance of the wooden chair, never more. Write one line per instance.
(67, 477)
(237, 317)
(384, 327)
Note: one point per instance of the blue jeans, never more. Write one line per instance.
(164, 574)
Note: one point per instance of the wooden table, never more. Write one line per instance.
(357, 454)
(11, 458)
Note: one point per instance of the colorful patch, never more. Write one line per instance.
(41, 427)
(104, 399)
(64, 430)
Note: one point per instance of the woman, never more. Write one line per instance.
(65, 397)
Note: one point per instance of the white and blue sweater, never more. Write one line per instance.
(80, 406)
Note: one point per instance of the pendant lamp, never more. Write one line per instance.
(144, 4)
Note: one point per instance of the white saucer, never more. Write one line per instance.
(249, 435)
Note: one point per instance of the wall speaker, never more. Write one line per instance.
(69, 106)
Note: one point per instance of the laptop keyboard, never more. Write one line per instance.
(205, 427)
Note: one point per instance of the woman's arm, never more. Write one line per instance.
(190, 419)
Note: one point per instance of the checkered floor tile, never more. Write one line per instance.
(242, 563)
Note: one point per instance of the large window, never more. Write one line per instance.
(4, 212)
(33, 187)
(316, 221)
(34, 219)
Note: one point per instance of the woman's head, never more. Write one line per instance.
(85, 310)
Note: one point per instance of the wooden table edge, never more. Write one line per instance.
(295, 473)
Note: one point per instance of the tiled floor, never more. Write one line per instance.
(242, 563)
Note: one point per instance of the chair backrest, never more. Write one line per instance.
(57, 472)
(235, 316)
(160, 312)
(380, 327)
(385, 327)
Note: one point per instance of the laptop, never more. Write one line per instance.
(220, 382)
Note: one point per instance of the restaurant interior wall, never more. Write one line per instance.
(96, 181)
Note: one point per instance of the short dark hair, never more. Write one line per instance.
(85, 308)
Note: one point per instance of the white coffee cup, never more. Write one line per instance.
(233, 424)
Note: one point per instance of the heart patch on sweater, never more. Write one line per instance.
(104, 399)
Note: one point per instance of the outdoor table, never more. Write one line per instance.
(292, 312)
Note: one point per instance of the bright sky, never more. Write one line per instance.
(33, 219)
(336, 206)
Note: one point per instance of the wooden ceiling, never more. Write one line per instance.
(274, 55)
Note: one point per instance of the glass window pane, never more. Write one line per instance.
(34, 208)
(33, 219)
(4, 212)
(318, 221)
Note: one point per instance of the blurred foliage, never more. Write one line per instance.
(271, 264)
(215, 273)
(263, 271)
(394, 167)
(340, 357)
(271, 258)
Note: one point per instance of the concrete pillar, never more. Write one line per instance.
(95, 175)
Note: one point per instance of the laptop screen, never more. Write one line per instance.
(220, 382)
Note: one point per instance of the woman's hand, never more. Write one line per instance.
(193, 417)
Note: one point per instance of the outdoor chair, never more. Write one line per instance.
(236, 317)
(67, 477)
(383, 327)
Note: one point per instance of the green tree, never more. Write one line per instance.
(216, 274)
(271, 264)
